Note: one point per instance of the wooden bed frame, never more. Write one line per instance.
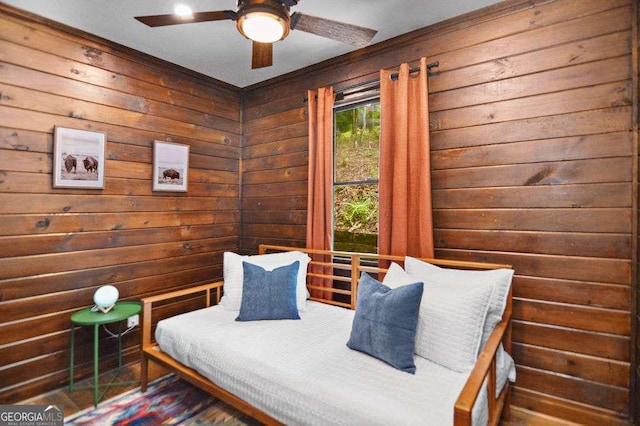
(342, 267)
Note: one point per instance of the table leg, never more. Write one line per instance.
(73, 332)
(119, 345)
(96, 389)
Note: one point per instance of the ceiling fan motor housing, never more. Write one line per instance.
(274, 9)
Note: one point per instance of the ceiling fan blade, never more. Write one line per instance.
(262, 55)
(163, 20)
(340, 31)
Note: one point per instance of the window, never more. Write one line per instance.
(355, 181)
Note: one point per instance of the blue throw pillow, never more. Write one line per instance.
(385, 322)
(269, 295)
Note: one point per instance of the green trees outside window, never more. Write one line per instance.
(356, 164)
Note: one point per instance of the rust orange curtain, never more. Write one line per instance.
(320, 193)
(405, 219)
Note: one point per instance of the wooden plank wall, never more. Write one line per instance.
(533, 161)
(635, 329)
(57, 246)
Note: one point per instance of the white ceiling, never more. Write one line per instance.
(217, 49)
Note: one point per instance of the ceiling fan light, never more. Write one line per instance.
(183, 11)
(263, 27)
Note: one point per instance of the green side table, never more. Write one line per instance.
(120, 312)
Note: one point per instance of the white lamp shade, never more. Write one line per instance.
(263, 27)
(106, 296)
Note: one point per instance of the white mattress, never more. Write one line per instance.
(302, 373)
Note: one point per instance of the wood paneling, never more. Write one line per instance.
(57, 246)
(635, 299)
(533, 150)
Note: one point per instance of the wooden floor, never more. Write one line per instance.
(80, 399)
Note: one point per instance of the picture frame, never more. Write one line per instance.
(78, 158)
(170, 166)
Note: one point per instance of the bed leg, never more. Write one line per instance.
(506, 410)
(144, 373)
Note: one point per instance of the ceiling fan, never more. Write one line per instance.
(268, 21)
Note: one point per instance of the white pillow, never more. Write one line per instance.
(499, 279)
(233, 275)
(450, 320)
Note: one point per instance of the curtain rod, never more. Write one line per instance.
(394, 76)
(371, 84)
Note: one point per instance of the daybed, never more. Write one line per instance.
(302, 371)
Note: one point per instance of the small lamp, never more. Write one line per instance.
(105, 298)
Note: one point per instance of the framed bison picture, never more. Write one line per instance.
(170, 166)
(78, 158)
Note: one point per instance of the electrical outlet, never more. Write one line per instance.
(133, 321)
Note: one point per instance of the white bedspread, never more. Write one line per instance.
(302, 373)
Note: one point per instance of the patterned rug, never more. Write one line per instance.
(168, 400)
